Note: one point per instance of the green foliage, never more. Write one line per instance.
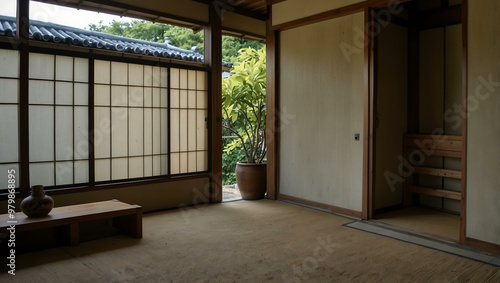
(244, 105)
(229, 160)
(232, 45)
(144, 30)
(185, 38)
(180, 37)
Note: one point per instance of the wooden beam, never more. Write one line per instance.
(272, 2)
(213, 60)
(431, 143)
(323, 206)
(485, 246)
(272, 105)
(228, 6)
(435, 192)
(413, 69)
(23, 7)
(465, 91)
(123, 9)
(91, 121)
(336, 13)
(368, 120)
(439, 172)
(441, 17)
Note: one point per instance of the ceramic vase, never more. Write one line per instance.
(38, 204)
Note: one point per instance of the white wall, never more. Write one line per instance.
(237, 22)
(290, 10)
(483, 137)
(322, 93)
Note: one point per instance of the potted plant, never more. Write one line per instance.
(244, 116)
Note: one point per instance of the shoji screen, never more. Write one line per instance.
(189, 112)
(131, 121)
(9, 116)
(58, 120)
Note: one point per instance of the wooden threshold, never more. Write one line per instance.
(323, 206)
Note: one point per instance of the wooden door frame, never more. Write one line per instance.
(465, 91)
(369, 128)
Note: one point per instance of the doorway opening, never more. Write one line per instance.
(240, 130)
(418, 153)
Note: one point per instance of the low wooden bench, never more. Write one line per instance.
(126, 217)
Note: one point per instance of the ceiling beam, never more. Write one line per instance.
(227, 6)
(440, 17)
(127, 10)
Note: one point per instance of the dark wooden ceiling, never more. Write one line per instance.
(256, 9)
(253, 8)
(256, 6)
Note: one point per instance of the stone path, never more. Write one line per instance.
(230, 192)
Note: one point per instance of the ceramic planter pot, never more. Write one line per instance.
(251, 180)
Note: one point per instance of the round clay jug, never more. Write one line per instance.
(38, 204)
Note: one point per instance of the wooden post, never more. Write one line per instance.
(213, 59)
(465, 91)
(413, 69)
(23, 7)
(272, 98)
(369, 126)
(413, 90)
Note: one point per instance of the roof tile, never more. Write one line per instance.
(50, 32)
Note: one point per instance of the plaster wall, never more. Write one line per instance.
(483, 124)
(322, 94)
(290, 10)
(237, 22)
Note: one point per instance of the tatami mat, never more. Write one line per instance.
(423, 241)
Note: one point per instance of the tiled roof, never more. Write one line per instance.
(49, 32)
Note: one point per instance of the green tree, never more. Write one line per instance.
(244, 105)
(232, 45)
(180, 37)
(185, 38)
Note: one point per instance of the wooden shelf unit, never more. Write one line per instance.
(433, 145)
